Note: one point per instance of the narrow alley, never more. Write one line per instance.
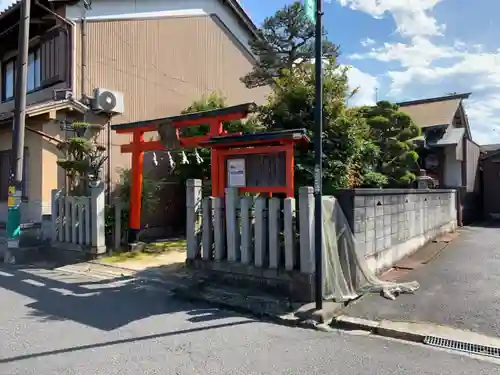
(458, 288)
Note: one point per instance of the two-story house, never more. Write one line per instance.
(152, 58)
(446, 149)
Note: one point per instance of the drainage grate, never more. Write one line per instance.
(462, 346)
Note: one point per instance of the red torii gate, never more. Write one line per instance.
(213, 118)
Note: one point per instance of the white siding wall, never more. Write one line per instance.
(452, 167)
(140, 9)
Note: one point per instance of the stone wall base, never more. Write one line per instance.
(295, 285)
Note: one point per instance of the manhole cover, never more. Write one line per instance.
(462, 346)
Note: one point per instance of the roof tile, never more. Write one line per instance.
(432, 113)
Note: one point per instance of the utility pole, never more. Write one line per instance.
(18, 128)
(318, 158)
(314, 11)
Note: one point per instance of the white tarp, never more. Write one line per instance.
(341, 263)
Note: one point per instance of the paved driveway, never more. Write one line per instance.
(459, 288)
(60, 323)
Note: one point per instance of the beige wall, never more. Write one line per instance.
(44, 174)
(162, 65)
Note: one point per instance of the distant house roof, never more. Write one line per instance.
(490, 150)
(452, 136)
(434, 116)
(490, 147)
(433, 111)
(45, 106)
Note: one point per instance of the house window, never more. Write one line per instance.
(8, 80)
(33, 77)
(34, 70)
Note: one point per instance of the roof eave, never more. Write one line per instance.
(243, 16)
(435, 99)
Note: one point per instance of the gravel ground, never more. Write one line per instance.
(58, 323)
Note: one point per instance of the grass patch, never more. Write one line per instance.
(150, 251)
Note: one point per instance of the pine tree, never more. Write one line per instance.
(286, 42)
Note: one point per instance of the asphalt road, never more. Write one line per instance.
(57, 323)
(459, 288)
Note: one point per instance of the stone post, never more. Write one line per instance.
(233, 229)
(289, 229)
(208, 229)
(193, 225)
(219, 230)
(274, 231)
(261, 250)
(306, 219)
(54, 214)
(246, 220)
(97, 217)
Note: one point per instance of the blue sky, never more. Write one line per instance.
(410, 49)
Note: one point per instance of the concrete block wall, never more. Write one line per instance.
(390, 224)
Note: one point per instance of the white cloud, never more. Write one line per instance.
(421, 67)
(449, 69)
(420, 52)
(367, 42)
(412, 17)
(366, 84)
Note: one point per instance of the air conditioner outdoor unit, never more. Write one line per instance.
(108, 101)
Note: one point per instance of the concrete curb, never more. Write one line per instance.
(191, 294)
(110, 266)
(377, 328)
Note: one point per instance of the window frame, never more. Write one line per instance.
(36, 52)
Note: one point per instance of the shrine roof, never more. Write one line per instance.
(240, 110)
(298, 136)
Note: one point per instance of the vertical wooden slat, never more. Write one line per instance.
(80, 219)
(260, 231)
(289, 229)
(60, 218)
(74, 222)
(246, 220)
(274, 232)
(208, 230)
(88, 234)
(67, 219)
(219, 229)
(232, 225)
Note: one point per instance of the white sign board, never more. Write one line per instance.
(236, 173)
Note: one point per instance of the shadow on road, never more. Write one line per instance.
(118, 342)
(105, 305)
